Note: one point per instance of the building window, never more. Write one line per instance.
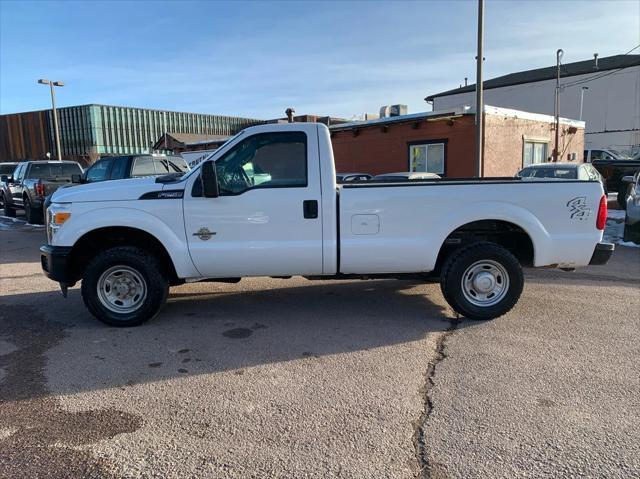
(427, 157)
(534, 152)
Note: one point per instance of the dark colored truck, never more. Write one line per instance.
(31, 182)
(133, 166)
(613, 170)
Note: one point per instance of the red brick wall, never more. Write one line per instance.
(374, 151)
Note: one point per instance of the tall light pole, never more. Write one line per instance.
(556, 152)
(51, 84)
(479, 101)
(582, 99)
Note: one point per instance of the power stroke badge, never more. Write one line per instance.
(578, 208)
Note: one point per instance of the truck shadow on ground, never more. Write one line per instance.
(229, 328)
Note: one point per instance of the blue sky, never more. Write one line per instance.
(255, 59)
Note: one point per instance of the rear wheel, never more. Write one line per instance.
(482, 281)
(124, 286)
(34, 215)
(7, 210)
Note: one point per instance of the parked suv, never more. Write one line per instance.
(30, 182)
(133, 166)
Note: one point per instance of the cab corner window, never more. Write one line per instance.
(143, 166)
(268, 160)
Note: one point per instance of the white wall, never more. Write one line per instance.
(611, 104)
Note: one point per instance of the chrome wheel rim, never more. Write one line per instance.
(122, 289)
(485, 283)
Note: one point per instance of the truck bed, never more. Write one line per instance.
(404, 233)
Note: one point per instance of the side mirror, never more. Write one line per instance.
(209, 179)
(628, 179)
(4, 178)
(76, 179)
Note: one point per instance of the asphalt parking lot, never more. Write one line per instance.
(297, 378)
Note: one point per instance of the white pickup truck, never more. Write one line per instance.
(267, 204)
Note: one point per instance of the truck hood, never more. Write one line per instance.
(113, 190)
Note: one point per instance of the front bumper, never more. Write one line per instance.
(602, 253)
(55, 263)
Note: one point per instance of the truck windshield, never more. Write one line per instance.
(51, 170)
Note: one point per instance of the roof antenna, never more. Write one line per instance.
(595, 61)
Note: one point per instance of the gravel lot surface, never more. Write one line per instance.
(297, 378)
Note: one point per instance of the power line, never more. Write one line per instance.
(600, 75)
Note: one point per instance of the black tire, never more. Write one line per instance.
(145, 265)
(457, 265)
(622, 199)
(7, 210)
(34, 216)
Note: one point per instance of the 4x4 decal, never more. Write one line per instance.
(578, 208)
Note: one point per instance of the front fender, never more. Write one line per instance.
(173, 239)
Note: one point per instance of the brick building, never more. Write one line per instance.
(444, 142)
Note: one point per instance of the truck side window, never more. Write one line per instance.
(19, 173)
(99, 171)
(267, 160)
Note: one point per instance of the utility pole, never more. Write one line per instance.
(582, 99)
(479, 101)
(556, 152)
(55, 113)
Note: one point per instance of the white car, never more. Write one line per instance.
(267, 204)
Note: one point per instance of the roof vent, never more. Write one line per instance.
(393, 110)
(595, 61)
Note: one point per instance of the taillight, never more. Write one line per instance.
(601, 221)
(39, 188)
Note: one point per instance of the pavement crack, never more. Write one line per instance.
(426, 468)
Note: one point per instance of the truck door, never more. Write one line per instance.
(266, 221)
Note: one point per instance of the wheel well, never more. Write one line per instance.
(102, 239)
(506, 234)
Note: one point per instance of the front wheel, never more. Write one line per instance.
(482, 281)
(34, 216)
(124, 286)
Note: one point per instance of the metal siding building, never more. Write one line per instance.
(611, 106)
(90, 130)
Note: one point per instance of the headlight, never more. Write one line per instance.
(57, 215)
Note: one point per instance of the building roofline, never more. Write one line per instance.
(584, 67)
(134, 108)
(456, 112)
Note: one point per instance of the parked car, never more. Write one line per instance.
(613, 170)
(603, 154)
(563, 171)
(346, 177)
(31, 182)
(6, 170)
(128, 241)
(632, 216)
(133, 166)
(406, 176)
